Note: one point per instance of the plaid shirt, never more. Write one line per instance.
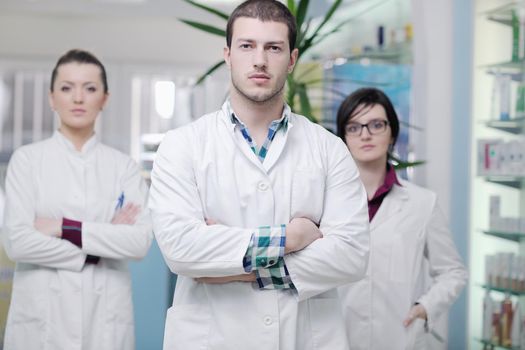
(265, 253)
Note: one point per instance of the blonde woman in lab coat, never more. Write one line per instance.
(392, 307)
(75, 213)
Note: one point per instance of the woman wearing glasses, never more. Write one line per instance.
(394, 307)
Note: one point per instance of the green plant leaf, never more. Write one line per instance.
(302, 8)
(290, 92)
(208, 9)
(402, 164)
(301, 33)
(205, 27)
(408, 125)
(306, 108)
(291, 6)
(327, 17)
(209, 71)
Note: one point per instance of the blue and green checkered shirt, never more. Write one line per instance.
(265, 253)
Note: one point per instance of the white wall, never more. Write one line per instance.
(115, 39)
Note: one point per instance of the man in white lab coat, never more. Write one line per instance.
(260, 212)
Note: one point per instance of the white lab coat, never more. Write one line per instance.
(58, 302)
(407, 230)
(207, 170)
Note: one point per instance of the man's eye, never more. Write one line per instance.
(245, 46)
(275, 48)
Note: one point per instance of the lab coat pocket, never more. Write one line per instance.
(415, 334)
(327, 323)
(307, 199)
(26, 325)
(187, 327)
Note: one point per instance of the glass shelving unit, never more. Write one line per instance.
(513, 126)
(511, 236)
(506, 180)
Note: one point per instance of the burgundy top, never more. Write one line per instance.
(72, 232)
(375, 202)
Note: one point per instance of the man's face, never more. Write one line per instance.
(259, 59)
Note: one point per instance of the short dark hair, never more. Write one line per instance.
(264, 10)
(79, 56)
(366, 97)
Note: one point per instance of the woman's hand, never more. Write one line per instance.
(49, 227)
(127, 215)
(417, 311)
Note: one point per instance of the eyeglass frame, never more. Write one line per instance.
(362, 126)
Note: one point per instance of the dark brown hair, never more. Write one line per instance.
(366, 98)
(79, 56)
(264, 10)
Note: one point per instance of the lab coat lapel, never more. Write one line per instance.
(277, 147)
(239, 140)
(391, 206)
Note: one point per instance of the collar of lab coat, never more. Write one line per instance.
(230, 123)
(391, 206)
(90, 144)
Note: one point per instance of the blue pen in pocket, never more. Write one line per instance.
(120, 201)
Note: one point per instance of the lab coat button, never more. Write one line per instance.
(268, 320)
(262, 186)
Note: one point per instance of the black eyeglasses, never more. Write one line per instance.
(374, 127)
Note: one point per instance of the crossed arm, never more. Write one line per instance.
(300, 233)
(53, 227)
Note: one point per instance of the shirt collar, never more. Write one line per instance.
(86, 148)
(390, 181)
(283, 121)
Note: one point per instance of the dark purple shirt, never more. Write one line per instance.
(375, 202)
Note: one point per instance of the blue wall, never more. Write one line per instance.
(463, 13)
(151, 284)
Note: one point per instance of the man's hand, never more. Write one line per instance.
(246, 277)
(300, 233)
(417, 311)
(49, 227)
(127, 215)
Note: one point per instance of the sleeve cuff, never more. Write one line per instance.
(275, 277)
(72, 231)
(266, 248)
(92, 259)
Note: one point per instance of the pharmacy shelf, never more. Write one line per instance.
(490, 345)
(503, 290)
(507, 66)
(514, 126)
(502, 14)
(506, 180)
(511, 236)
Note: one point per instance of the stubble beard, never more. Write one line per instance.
(259, 98)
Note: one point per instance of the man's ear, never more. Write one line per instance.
(293, 60)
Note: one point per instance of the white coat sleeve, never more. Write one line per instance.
(22, 242)
(341, 256)
(190, 247)
(445, 266)
(122, 241)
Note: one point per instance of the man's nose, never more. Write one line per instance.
(260, 58)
